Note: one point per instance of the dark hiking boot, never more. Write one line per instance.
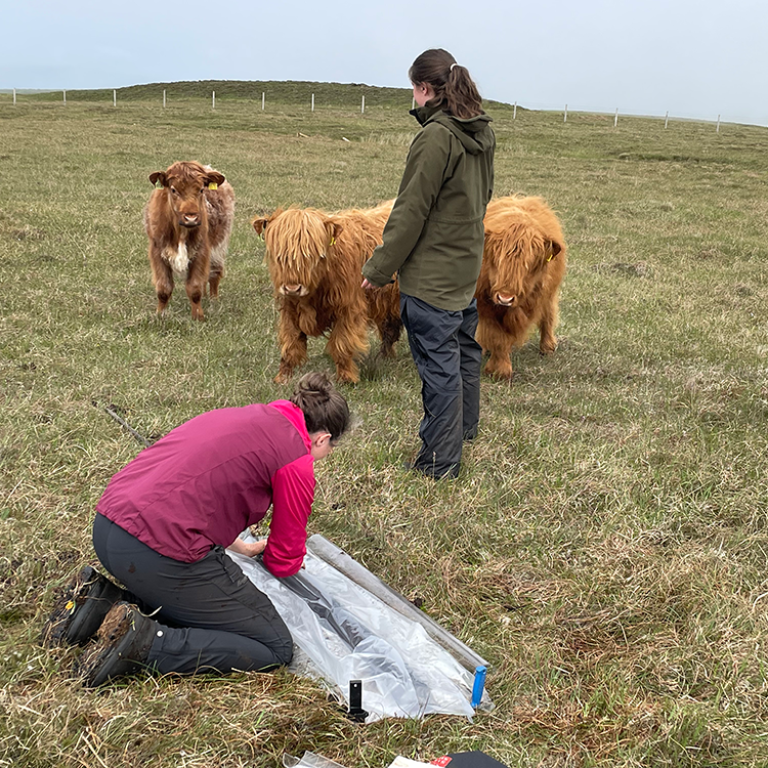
(78, 613)
(429, 471)
(122, 648)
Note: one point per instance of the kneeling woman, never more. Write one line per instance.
(161, 529)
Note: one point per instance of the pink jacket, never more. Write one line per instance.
(210, 478)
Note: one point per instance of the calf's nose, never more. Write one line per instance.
(508, 301)
(190, 219)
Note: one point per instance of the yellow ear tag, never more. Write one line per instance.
(159, 185)
(213, 185)
(333, 241)
(70, 606)
(551, 254)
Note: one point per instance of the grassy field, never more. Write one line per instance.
(606, 544)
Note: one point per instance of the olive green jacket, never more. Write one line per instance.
(433, 239)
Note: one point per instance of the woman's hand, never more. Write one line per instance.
(248, 549)
(369, 286)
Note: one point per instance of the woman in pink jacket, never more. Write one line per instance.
(161, 529)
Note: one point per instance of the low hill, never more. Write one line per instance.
(276, 91)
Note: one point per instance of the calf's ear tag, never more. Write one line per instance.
(213, 185)
(333, 241)
(159, 184)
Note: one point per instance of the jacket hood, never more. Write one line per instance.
(474, 133)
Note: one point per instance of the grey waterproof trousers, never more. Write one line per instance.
(448, 360)
(210, 615)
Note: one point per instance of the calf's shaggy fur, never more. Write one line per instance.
(188, 220)
(524, 260)
(315, 260)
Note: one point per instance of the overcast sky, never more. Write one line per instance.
(693, 58)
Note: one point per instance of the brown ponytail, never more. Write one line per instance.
(455, 91)
(324, 408)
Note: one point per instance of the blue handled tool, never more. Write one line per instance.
(478, 686)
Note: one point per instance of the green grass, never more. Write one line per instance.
(605, 545)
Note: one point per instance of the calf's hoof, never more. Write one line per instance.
(548, 347)
(347, 377)
(499, 372)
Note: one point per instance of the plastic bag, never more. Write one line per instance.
(309, 760)
(342, 632)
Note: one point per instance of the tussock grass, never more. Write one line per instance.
(605, 545)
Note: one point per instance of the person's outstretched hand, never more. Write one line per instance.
(249, 549)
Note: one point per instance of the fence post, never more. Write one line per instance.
(718, 124)
(514, 112)
(362, 107)
(65, 98)
(163, 98)
(213, 99)
(413, 103)
(14, 97)
(114, 97)
(565, 114)
(313, 102)
(616, 118)
(666, 120)
(262, 100)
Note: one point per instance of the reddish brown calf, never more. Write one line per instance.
(524, 260)
(188, 220)
(314, 260)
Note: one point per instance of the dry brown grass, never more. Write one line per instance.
(605, 545)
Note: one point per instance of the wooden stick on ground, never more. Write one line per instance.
(120, 420)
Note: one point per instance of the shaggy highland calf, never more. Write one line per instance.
(188, 222)
(524, 262)
(314, 260)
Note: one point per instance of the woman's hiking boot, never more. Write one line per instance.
(122, 648)
(79, 611)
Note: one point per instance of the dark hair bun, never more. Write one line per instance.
(314, 387)
(325, 409)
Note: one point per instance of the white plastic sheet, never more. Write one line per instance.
(309, 760)
(352, 635)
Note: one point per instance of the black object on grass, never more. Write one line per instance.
(356, 711)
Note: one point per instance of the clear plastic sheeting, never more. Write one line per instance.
(342, 632)
(309, 760)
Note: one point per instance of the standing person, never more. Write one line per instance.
(164, 521)
(434, 241)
